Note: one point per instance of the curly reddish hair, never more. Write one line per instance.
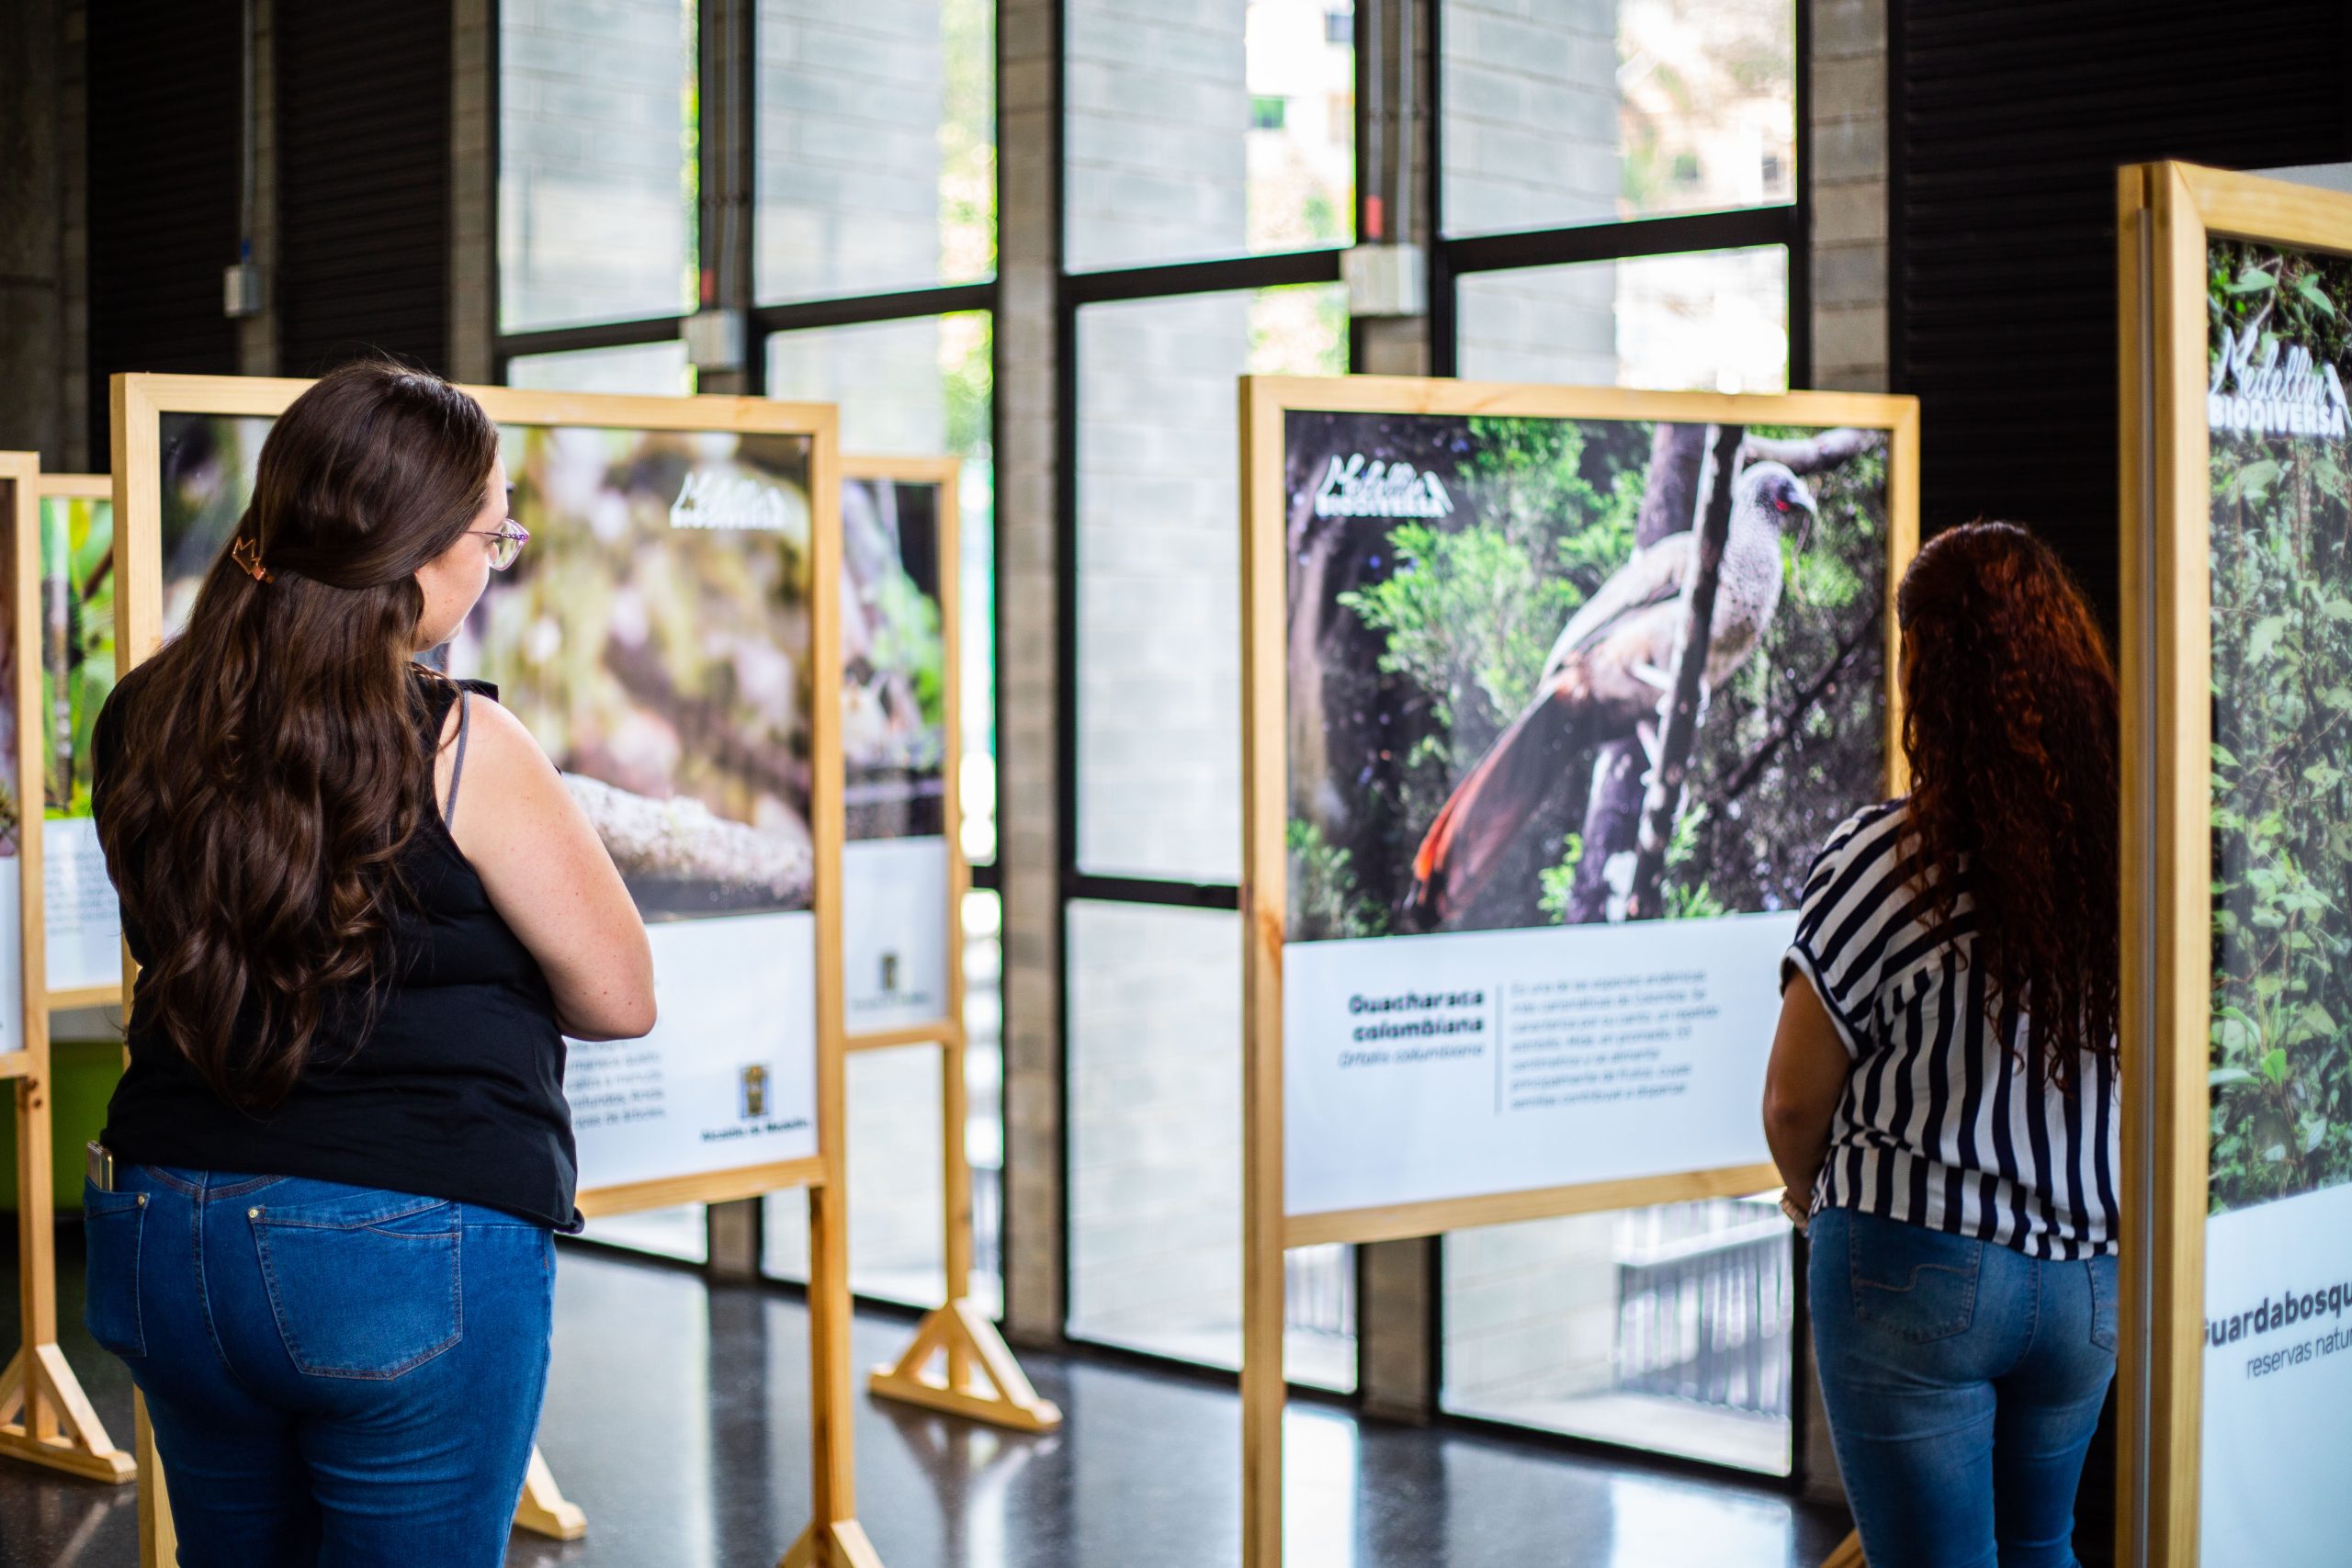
(2009, 725)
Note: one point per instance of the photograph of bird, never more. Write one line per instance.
(1604, 679)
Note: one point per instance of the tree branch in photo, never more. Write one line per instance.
(1811, 454)
(705, 726)
(681, 844)
(1663, 802)
(1614, 805)
(1612, 816)
(1753, 768)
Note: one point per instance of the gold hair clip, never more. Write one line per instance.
(247, 554)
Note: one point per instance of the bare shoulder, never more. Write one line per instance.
(507, 778)
(495, 731)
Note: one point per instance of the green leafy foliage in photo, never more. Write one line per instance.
(1323, 889)
(1472, 608)
(1443, 630)
(76, 609)
(2281, 558)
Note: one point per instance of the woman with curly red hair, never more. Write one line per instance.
(1941, 1100)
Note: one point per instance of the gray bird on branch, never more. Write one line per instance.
(1604, 679)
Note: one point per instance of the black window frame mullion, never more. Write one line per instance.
(1621, 238)
(510, 346)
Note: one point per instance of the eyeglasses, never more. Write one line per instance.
(509, 537)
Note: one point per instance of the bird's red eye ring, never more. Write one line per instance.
(1782, 504)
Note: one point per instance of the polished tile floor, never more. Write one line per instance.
(677, 1417)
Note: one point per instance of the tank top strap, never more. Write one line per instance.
(457, 767)
(439, 692)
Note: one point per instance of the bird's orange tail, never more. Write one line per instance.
(1489, 808)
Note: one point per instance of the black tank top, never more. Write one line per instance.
(454, 1091)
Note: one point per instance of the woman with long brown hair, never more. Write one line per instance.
(1941, 1100)
(320, 1221)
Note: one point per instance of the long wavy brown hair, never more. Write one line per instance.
(2009, 725)
(272, 763)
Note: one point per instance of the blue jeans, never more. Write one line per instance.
(337, 1377)
(1963, 1381)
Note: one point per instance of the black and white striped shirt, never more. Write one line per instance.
(1939, 1124)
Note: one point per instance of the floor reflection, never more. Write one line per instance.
(677, 1417)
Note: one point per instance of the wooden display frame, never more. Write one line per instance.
(2167, 216)
(45, 1418)
(956, 1332)
(1269, 1229)
(834, 1539)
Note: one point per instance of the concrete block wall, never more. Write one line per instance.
(885, 376)
(1159, 564)
(1530, 1312)
(847, 146)
(1159, 105)
(473, 191)
(1532, 115)
(592, 130)
(1156, 1129)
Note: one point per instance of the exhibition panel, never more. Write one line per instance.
(83, 926)
(2237, 681)
(45, 1420)
(903, 871)
(672, 642)
(650, 643)
(1465, 819)
(904, 876)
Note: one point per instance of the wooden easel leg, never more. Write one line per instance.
(45, 1418)
(835, 1539)
(543, 1509)
(1263, 1395)
(1848, 1555)
(159, 1544)
(845, 1546)
(982, 1381)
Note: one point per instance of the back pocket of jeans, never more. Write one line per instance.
(1914, 1283)
(365, 1286)
(2105, 1305)
(112, 1226)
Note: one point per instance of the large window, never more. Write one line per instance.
(1155, 1043)
(870, 145)
(1196, 131)
(1617, 188)
(1655, 142)
(913, 387)
(1564, 112)
(1619, 204)
(876, 146)
(1209, 178)
(1159, 566)
(596, 175)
